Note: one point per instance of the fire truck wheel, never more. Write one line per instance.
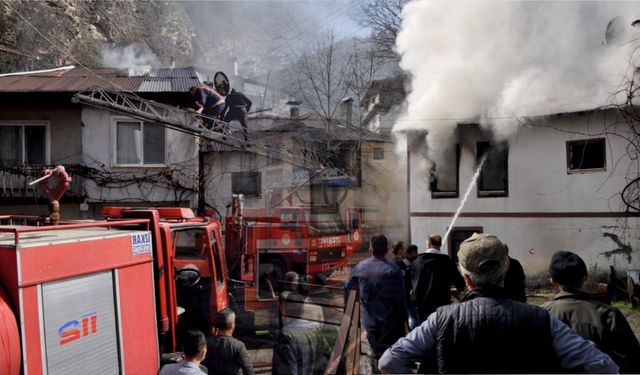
(278, 269)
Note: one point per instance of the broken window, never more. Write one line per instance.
(586, 155)
(378, 153)
(444, 176)
(140, 143)
(23, 144)
(493, 179)
(247, 183)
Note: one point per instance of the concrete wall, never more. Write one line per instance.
(98, 140)
(64, 129)
(383, 194)
(547, 208)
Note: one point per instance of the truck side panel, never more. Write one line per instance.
(80, 258)
(30, 330)
(138, 359)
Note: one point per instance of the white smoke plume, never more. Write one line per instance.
(131, 58)
(495, 62)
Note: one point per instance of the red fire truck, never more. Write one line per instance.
(261, 246)
(106, 296)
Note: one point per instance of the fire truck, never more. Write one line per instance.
(106, 296)
(262, 246)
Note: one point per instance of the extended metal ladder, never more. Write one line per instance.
(185, 121)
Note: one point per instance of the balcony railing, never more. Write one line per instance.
(14, 183)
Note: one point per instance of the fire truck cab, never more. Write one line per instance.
(262, 246)
(106, 296)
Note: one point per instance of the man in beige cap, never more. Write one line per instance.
(490, 333)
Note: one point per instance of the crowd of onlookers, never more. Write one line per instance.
(412, 323)
(491, 329)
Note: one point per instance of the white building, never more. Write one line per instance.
(555, 185)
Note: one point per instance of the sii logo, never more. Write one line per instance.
(74, 329)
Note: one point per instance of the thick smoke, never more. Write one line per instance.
(131, 58)
(496, 62)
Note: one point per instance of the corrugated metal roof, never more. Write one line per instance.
(82, 79)
(155, 85)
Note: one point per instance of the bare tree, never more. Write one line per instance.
(321, 76)
(383, 18)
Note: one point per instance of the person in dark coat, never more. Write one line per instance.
(226, 354)
(514, 281)
(412, 255)
(381, 287)
(237, 106)
(590, 316)
(433, 274)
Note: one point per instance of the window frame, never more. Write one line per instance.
(47, 137)
(570, 144)
(378, 153)
(450, 193)
(114, 144)
(485, 193)
(259, 183)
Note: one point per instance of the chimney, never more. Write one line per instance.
(294, 108)
(235, 67)
(346, 111)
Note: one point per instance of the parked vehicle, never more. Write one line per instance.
(106, 296)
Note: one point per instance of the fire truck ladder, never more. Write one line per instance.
(181, 120)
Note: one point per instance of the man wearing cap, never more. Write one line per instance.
(381, 287)
(490, 333)
(590, 316)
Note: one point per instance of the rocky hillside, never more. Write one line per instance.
(84, 30)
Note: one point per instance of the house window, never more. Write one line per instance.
(23, 144)
(274, 156)
(378, 153)
(247, 183)
(586, 155)
(444, 177)
(139, 143)
(493, 180)
(457, 236)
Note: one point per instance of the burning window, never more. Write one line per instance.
(493, 179)
(586, 155)
(444, 176)
(23, 144)
(139, 143)
(247, 183)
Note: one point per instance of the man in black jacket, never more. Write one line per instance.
(237, 107)
(433, 274)
(226, 354)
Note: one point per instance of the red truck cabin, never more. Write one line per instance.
(82, 296)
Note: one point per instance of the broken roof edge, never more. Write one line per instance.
(60, 69)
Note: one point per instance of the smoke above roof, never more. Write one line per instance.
(132, 59)
(494, 62)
